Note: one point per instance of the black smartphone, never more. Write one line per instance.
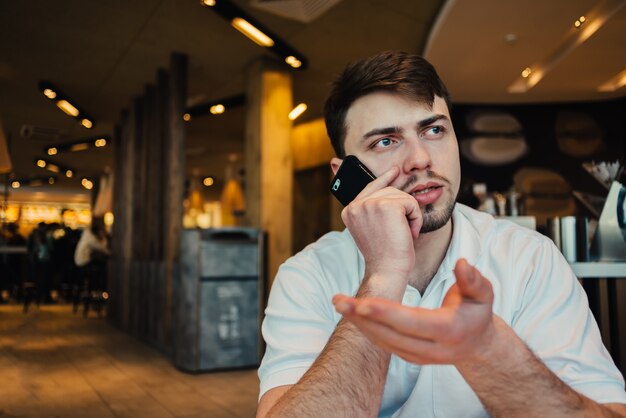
(350, 179)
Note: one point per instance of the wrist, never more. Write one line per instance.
(495, 346)
(387, 285)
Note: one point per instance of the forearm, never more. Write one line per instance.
(511, 381)
(348, 377)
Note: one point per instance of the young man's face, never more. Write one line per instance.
(385, 129)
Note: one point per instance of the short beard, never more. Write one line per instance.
(434, 220)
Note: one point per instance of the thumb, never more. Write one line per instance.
(472, 285)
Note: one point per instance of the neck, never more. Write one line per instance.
(430, 250)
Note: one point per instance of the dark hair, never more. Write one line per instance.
(398, 72)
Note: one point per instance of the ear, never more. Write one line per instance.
(335, 163)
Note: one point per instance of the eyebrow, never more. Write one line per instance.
(396, 129)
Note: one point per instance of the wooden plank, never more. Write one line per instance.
(175, 167)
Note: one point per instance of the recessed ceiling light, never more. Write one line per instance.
(297, 111)
(52, 151)
(293, 61)
(209, 3)
(208, 181)
(49, 93)
(68, 108)
(41, 163)
(217, 109)
(186, 117)
(86, 123)
(252, 32)
(15, 184)
(526, 72)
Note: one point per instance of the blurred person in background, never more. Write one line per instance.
(90, 256)
(13, 261)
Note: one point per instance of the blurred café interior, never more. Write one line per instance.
(187, 138)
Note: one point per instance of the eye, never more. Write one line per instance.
(434, 131)
(383, 142)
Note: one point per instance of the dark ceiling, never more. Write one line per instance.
(103, 53)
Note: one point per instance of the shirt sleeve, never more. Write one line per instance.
(555, 321)
(298, 322)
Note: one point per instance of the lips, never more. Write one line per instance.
(427, 193)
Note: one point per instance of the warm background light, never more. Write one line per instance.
(86, 123)
(218, 109)
(49, 93)
(297, 111)
(79, 147)
(67, 107)
(293, 61)
(252, 33)
(208, 181)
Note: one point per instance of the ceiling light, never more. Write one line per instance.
(186, 117)
(614, 83)
(68, 108)
(51, 180)
(49, 93)
(87, 184)
(69, 173)
(293, 61)
(208, 181)
(297, 111)
(252, 32)
(79, 147)
(217, 109)
(65, 104)
(601, 12)
(54, 167)
(256, 31)
(15, 184)
(526, 72)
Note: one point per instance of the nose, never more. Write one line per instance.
(417, 156)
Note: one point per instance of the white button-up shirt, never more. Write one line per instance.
(535, 292)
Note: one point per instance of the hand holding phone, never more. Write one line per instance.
(351, 178)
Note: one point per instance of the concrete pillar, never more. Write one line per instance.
(269, 176)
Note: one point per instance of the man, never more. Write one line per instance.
(454, 314)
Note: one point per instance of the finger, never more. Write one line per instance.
(413, 322)
(380, 182)
(472, 284)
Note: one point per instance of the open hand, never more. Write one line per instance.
(459, 331)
